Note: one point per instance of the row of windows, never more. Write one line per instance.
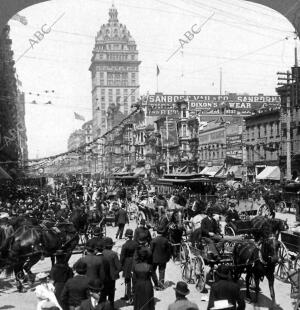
(118, 57)
(271, 129)
(104, 47)
(116, 68)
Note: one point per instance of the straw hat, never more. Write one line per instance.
(221, 304)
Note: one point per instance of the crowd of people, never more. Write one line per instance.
(91, 282)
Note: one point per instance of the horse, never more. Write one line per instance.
(175, 231)
(257, 262)
(30, 243)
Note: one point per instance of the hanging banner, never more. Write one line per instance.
(232, 104)
(172, 134)
(234, 147)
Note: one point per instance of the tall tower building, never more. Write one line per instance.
(115, 71)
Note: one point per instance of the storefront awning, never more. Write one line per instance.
(4, 175)
(269, 173)
(211, 171)
(139, 171)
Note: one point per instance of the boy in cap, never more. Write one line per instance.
(181, 302)
(126, 260)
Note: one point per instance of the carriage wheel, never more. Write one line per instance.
(228, 231)
(280, 206)
(187, 272)
(184, 253)
(297, 262)
(283, 265)
(264, 210)
(199, 273)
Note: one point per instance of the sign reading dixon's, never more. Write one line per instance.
(231, 104)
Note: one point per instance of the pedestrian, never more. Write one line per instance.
(113, 262)
(95, 289)
(75, 289)
(122, 219)
(161, 253)
(94, 263)
(45, 291)
(142, 233)
(60, 273)
(143, 288)
(225, 289)
(181, 302)
(97, 240)
(126, 260)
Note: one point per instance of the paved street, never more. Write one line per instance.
(10, 299)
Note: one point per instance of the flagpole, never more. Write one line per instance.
(168, 155)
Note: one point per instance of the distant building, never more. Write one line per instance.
(262, 139)
(115, 71)
(76, 139)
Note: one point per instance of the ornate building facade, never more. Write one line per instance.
(114, 70)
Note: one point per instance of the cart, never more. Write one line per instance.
(289, 254)
(294, 278)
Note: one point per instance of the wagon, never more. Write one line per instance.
(294, 278)
(289, 254)
(239, 227)
(197, 267)
(252, 207)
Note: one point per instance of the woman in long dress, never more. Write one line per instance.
(143, 288)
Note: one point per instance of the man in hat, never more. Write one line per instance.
(114, 268)
(181, 302)
(161, 253)
(94, 263)
(121, 219)
(97, 240)
(142, 233)
(211, 234)
(126, 260)
(232, 214)
(225, 289)
(75, 289)
(95, 289)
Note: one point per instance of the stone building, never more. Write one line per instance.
(114, 70)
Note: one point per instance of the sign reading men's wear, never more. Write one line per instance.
(231, 104)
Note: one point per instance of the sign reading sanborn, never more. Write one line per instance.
(232, 104)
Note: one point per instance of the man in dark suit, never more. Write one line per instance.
(95, 266)
(161, 254)
(122, 219)
(142, 233)
(111, 257)
(75, 289)
(126, 260)
(210, 232)
(97, 240)
(95, 289)
(225, 289)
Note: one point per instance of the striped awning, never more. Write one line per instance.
(211, 171)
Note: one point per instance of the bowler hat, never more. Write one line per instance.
(95, 285)
(182, 288)
(108, 242)
(223, 272)
(80, 267)
(129, 232)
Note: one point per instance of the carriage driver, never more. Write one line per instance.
(211, 234)
(232, 214)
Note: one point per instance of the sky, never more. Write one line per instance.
(251, 43)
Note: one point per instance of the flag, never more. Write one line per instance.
(20, 18)
(157, 70)
(79, 117)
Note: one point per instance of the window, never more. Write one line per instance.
(133, 80)
(132, 99)
(118, 92)
(271, 129)
(183, 130)
(265, 130)
(103, 92)
(132, 57)
(184, 112)
(103, 106)
(258, 131)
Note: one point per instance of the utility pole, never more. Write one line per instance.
(168, 152)
(221, 81)
(288, 90)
